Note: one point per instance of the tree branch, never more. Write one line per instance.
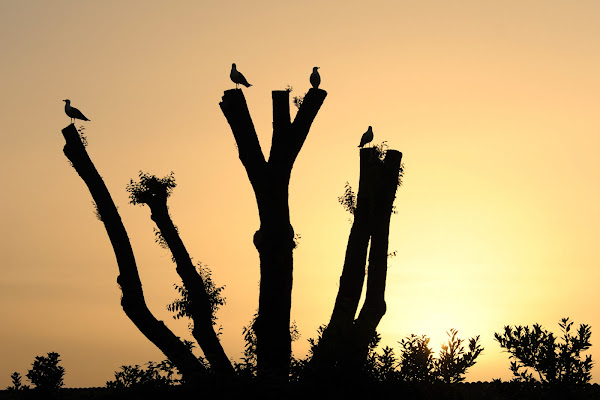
(132, 301)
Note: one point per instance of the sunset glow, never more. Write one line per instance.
(494, 106)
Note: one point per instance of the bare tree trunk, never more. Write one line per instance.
(199, 306)
(345, 341)
(132, 301)
(275, 238)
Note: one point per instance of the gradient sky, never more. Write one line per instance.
(494, 105)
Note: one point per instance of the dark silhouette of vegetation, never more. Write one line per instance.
(345, 342)
(348, 341)
(200, 299)
(155, 375)
(181, 306)
(416, 360)
(17, 385)
(453, 361)
(45, 374)
(274, 240)
(554, 362)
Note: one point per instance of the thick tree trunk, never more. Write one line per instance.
(275, 238)
(384, 175)
(199, 306)
(132, 301)
(345, 341)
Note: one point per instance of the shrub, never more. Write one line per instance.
(537, 349)
(453, 362)
(16, 382)
(45, 373)
(155, 375)
(417, 363)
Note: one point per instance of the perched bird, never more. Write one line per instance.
(73, 113)
(366, 137)
(237, 77)
(315, 78)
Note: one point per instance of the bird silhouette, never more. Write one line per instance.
(315, 78)
(366, 137)
(237, 77)
(73, 113)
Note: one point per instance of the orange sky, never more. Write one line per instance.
(494, 105)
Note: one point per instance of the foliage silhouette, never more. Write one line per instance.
(247, 367)
(149, 188)
(155, 375)
(180, 306)
(555, 362)
(200, 297)
(17, 385)
(275, 240)
(46, 374)
(453, 362)
(416, 359)
(417, 363)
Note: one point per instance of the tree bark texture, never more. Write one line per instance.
(346, 339)
(275, 238)
(199, 307)
(132, 300)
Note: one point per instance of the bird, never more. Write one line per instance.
(237, 77)
(366, 137)
(73, 113)
(315, 78)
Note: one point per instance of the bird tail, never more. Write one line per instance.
(247, 84)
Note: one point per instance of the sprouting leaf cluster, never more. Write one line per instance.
(348, 199)
(538, 349)
(82, 135)
(150, 188)
(180, 306)
(298, 100)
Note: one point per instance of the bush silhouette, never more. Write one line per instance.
(417, 363)
(16, 382)
(156, 375)
(536, 348)
(45, 373)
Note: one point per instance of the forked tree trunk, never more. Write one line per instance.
(275, 238)
(132, 301)
(345, 341)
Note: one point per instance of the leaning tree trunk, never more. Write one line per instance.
(132, 301)
(199, 308)
(275, 238)
(345, 341)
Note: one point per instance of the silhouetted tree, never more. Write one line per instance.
(198, 305)
(46, 374)
(345, 341)
(132, 300)
(274, 240)
(537, 349)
